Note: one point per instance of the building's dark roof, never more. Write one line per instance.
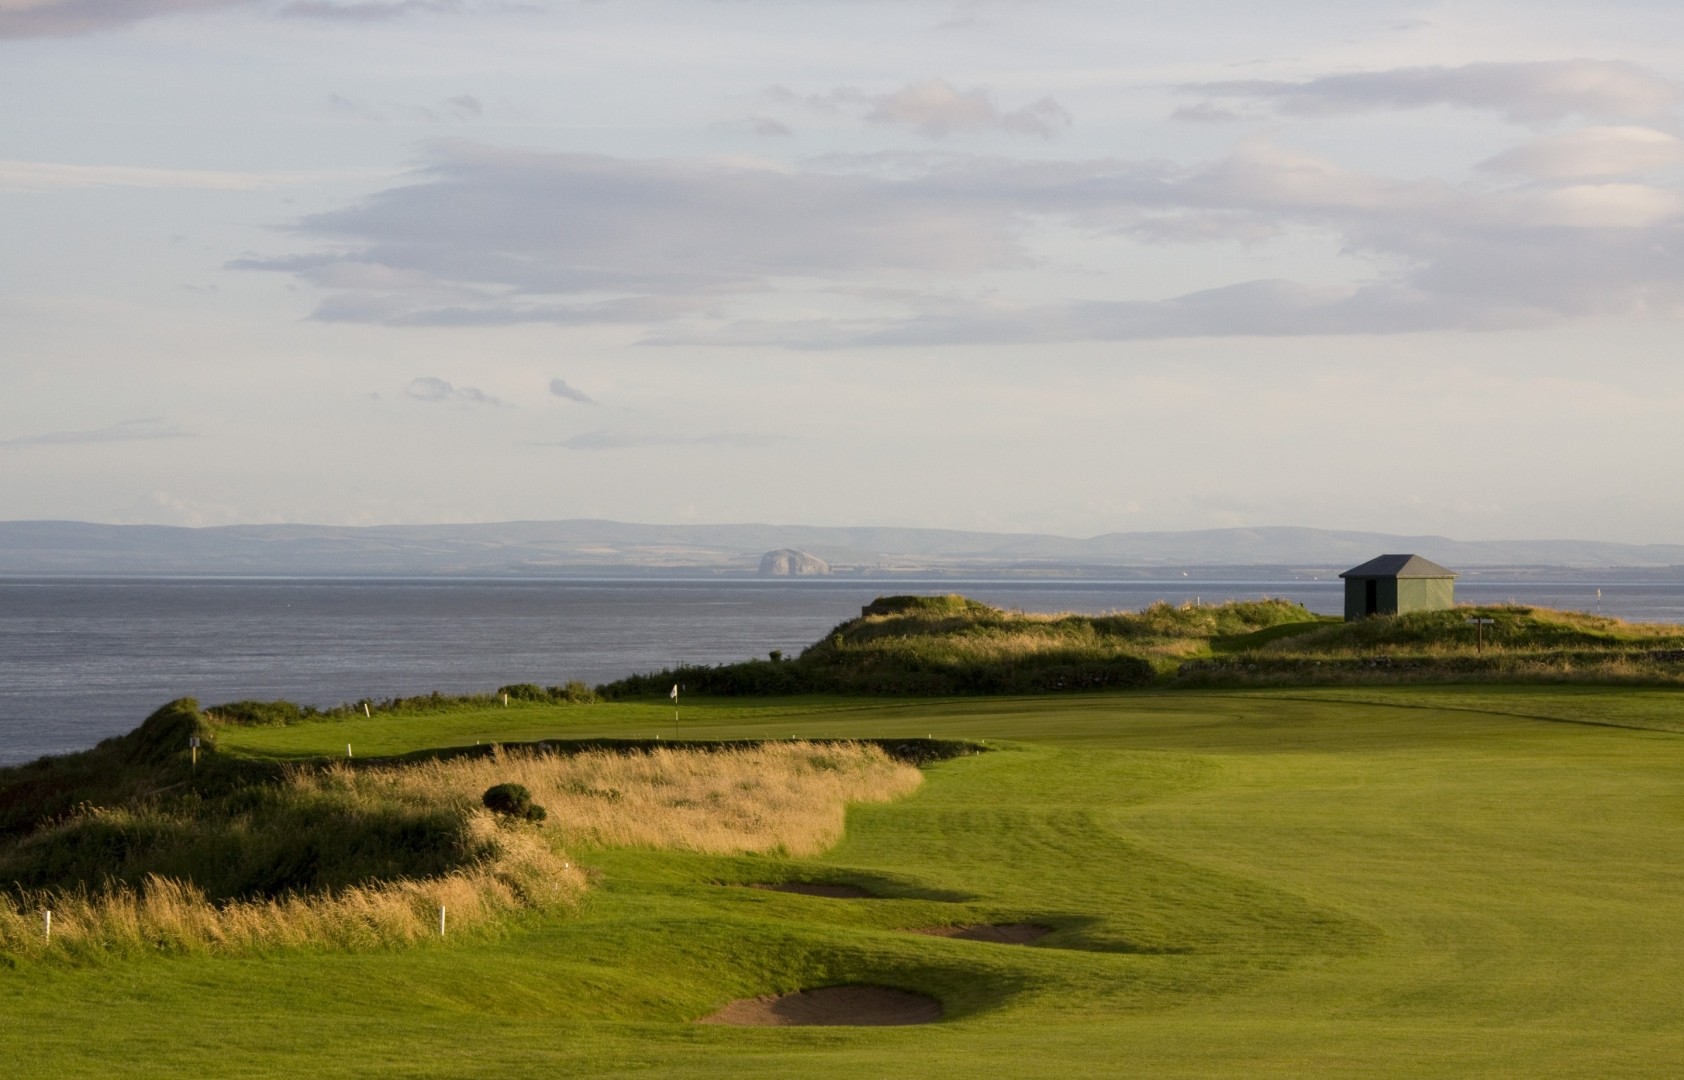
(1400, 566)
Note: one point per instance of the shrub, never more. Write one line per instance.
(261, 713)
(574, 693)
(525, 691)
(512, 800)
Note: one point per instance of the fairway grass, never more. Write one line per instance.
(1409, 881)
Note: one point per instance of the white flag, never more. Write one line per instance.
(675, 691)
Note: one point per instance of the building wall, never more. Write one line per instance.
(1397, 596)
(1426, 594)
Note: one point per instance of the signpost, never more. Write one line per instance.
(1481, 624)
(193, 745)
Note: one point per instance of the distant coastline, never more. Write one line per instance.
(578, 549)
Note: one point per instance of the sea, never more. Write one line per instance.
(83, 659)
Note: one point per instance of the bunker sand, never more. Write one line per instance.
(830, 1006)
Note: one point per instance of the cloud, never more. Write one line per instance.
(1206, 112)
(66, 18)
(770, 128)
(1532, 92)
(430, 388)
(465, 105)
(561, 389)
(463, 108)
(937, 108)
(616, 440)
(144, 430)
(705, 251)
(366, 11)
(1591, 152)
(484, 235)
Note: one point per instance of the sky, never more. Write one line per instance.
(1051, 266)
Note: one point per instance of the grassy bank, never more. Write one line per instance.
(135, 847)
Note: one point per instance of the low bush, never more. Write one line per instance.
(574, 692)
(513, 801)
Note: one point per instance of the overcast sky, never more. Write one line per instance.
(1046, 266)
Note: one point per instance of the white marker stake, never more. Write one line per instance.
(505, 701)
(441, 920)
(49, 925)
(366, 712)
(347, 749)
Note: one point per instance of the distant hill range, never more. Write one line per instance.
(609, 548)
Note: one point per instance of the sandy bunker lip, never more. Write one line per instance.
(1000, 933)
(818, 888)
(830, 1006)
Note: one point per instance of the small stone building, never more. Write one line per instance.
(1396, 585)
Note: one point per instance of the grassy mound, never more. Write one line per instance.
(1520, 643)
(136, 807)
(154, 757)
(133, 846)
(952, 645)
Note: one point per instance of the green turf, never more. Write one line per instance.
(1476, 881)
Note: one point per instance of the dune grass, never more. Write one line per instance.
(168, 915)
(952, 645)
(331, 855)
(1376, 881)
(785, 798)
(1513, 627)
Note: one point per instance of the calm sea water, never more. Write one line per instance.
(84, 659)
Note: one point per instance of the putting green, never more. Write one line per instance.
(1388, 882)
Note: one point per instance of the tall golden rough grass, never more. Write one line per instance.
(166, 915)
(775, 797)
(778, 797)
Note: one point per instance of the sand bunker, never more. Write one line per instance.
(817, 888)
(862, 1006)
(1004, 934)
